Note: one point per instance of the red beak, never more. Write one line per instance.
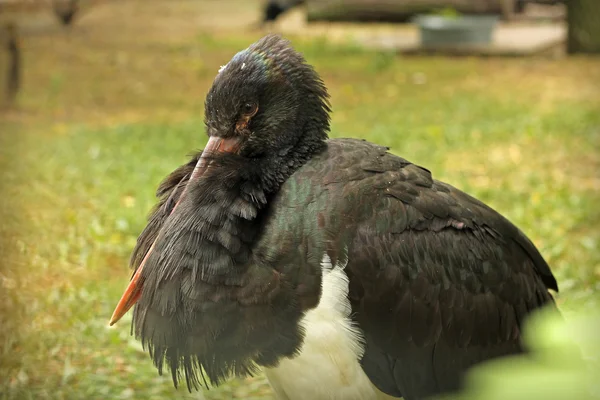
(134, 289)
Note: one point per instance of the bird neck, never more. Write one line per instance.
(275, 169)
(221, 215)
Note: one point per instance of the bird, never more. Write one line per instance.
(341, 270)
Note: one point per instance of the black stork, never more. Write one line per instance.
(342, 270)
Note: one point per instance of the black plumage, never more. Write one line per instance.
(232, 254)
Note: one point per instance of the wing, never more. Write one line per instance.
(168, 193)
(438, 280)
(206, 306)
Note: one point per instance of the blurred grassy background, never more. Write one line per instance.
(113, 104)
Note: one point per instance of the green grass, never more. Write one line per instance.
(80, 162)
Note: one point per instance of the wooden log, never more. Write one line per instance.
(11, 7)
(398, 10)
(18, 11)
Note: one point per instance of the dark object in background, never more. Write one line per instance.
(274, 8)
(583, 19)
(273, 220)
(65, 10)
(13, 72)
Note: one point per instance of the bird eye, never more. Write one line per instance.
(249, 109)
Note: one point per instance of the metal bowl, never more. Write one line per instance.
(472, 30)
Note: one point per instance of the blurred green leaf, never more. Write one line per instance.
(564, 363)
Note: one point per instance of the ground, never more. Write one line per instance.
(113, 104)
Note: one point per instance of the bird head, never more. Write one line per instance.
(266, 102)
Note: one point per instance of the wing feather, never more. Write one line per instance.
(438, 280)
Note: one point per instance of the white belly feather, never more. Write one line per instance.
(327, 367)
